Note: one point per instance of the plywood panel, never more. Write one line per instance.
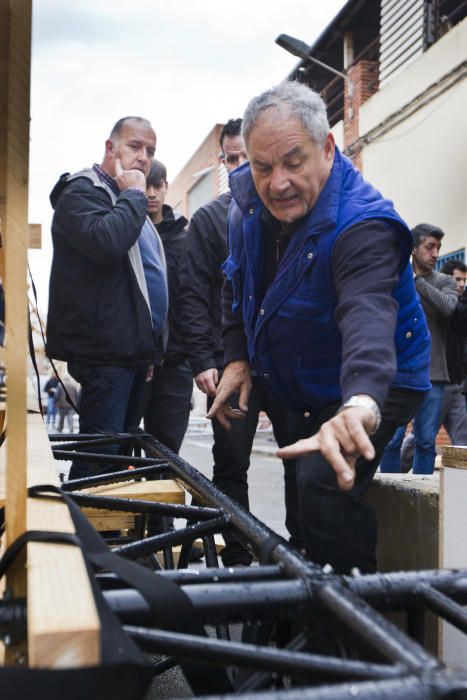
(453, 552)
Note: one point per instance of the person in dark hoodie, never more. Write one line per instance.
(108, 290)
(169, 393)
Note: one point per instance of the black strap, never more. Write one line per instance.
(12, 551)
(170, 608)
(32, 351)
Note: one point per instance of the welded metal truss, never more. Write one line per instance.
(305, 632)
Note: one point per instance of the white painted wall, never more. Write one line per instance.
(338, 132)
(422, 163)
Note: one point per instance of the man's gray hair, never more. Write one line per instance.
(290, 99)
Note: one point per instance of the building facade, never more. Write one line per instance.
(201, 179)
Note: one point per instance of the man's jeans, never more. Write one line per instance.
(231, 452)
(166, 414)
(110, 403)
(425, 427)
(338, 527)
(454, 414)
(167, 405)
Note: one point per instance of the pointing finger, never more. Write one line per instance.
(118, 167)
(299, 448)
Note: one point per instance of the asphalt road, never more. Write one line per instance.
(265, 478)
(266, 491)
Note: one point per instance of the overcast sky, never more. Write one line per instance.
(183, 64)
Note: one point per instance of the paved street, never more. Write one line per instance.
(265, 476)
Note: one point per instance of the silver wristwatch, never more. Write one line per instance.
(366, 402)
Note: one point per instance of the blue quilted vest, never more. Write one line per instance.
(293, 339)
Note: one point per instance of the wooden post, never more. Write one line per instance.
(63, 625)
(15, 23)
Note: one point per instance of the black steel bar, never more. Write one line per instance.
(227, 603)
(13, 619)
(416, 622)
(260, 680)
(292, 590)
(184, 557)
(113, 477)
(164, 665)
(81, 440)
(224, 575)
(443, 606)
(187, 534)
(374, 629)
(392, 590)
(136, 505)
(398, 689)
(210, 555)
(246, 525)
(258, 657)
(167, 552)
(363, 620)
(126, 460)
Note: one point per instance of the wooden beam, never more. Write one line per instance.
(14, 125)
(63, 625)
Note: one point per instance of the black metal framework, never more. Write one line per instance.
(305, 632)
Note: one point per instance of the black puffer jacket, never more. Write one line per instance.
(457, 342)
(97, 312)
(173, 235)
(202, 280)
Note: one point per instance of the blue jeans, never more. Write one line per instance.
(110, 402)
(425, 427)
(51, 410)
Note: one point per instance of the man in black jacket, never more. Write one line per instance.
(201, 308)
(167, 410)
(108, 290)
(454, 413)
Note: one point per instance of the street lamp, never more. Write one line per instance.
(302, 50)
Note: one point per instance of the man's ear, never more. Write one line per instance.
(109, 147)
(329, 147)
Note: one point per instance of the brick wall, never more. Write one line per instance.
(206, 156)
(364, 76)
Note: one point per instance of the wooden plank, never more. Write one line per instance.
(162, 490)
(453, 553)
(110, 521)
(455, 456)
(63, 625)
(14, 122)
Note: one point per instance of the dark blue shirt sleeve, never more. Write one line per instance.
(366, 266)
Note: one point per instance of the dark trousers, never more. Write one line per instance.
(167, 404)
(338, 527)
(166, 415)
(110, 402)
(231, 452)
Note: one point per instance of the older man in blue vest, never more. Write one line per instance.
(320, 300)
